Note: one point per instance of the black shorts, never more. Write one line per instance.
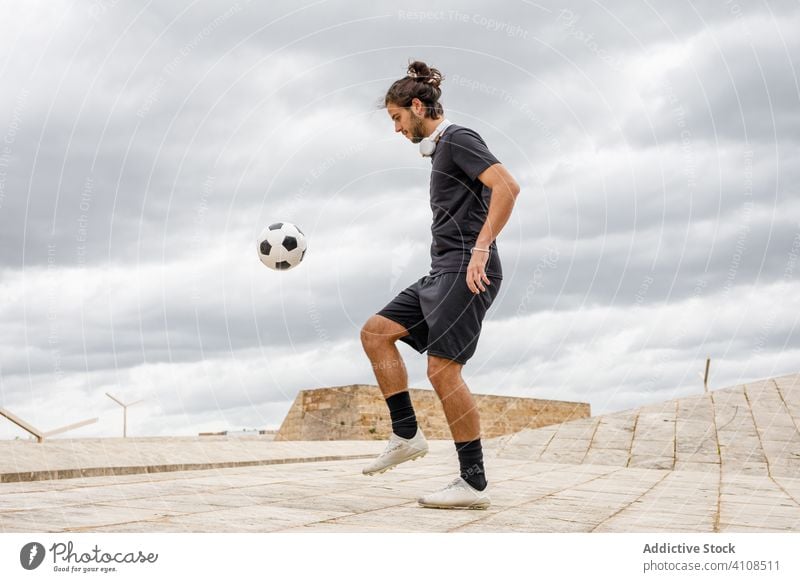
(442, 315)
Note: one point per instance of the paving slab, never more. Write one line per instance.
(633, 471)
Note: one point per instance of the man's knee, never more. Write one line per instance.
(379, 331)
(442, 371)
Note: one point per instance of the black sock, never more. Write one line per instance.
(404, 421)
(470, 457)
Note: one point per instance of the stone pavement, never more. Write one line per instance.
(745, 430)
(722, 462)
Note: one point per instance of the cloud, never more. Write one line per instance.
(142, 150)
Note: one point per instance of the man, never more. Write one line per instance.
(472, 196)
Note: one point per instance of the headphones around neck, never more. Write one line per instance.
(428, 144)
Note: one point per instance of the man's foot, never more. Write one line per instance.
(457, 495)
(399, 450)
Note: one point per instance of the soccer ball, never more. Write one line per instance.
(282, 246)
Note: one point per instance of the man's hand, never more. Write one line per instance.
(504, 194)
(476, 272)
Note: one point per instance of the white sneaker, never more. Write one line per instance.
(458, 495)
(399, 450)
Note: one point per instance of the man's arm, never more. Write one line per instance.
(504, 193)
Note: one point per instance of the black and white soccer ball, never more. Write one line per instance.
(282, 246)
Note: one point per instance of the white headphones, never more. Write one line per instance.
(428, 144)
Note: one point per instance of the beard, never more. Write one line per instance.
(417, 130)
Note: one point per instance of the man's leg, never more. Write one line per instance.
(462, 416)
(378, 336)
(407, 442)
(459, 406)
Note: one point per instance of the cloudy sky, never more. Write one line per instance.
(144, 146)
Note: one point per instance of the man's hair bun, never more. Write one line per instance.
(421, 82)
(421, 72)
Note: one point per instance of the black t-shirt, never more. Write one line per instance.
(459, 201)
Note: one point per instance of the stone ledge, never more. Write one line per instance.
(134, 470)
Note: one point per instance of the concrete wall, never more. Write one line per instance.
(359, 412)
